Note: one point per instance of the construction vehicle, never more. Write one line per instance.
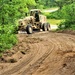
(34, 21)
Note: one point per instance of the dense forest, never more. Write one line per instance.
(12, 10)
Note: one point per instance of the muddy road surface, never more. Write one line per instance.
(42, 53)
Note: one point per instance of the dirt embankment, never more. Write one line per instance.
(42, 53)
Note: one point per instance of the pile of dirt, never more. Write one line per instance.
(17, 52)
(67, 31)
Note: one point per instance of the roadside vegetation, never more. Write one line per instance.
(54, 21)
(53, 18)
(66, 14)
(10, 12)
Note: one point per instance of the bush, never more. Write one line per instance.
(69, 16)
(7, 37)
(7, 41)
(56, 15)
(61, 26)
(47, 14)
(69, 13)
(67, 24)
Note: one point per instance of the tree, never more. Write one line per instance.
(61, 3)
(68, 11)
(10, 10)
(45, 3)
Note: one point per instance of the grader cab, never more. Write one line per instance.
(34, 21)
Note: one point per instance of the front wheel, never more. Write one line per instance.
(48, 27)
(29, 29)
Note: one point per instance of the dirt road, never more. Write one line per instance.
(42, 53)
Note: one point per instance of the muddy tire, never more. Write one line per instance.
(44, 28)
(29, 29)
(41, 25)
(48, 27)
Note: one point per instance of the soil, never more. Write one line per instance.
(42, 53)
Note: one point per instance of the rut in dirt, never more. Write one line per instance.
(49, 54)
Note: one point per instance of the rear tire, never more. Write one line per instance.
(48, 27)
(29, 29)
(44, 27)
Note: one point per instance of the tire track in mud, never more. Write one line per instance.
(61, 44)
(40, 56)
(37, 64)
(56, 47)
(66, 47)
(52, 42)
(40, 48)
(21, 65)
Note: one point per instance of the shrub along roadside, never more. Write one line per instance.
(55, 15)
(7, 41)
(52, 18)
(67, 13)
(7, 37)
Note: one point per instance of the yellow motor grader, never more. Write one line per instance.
(34, 21)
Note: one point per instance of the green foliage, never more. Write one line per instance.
(55, 15)
(14, 9)
(39, 6)
(61, 3)
(72, 27)
(54, 21)
(8, 29)
(47, 14)
(10, 11)
(69, 12)
(7, 41)
(7, 37)
(69, 15)
(54, 3)
(45, 3)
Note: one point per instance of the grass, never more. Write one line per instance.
(54, 21)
